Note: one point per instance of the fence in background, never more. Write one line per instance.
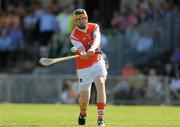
(47, 89)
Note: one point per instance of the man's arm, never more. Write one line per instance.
(78, 45)
(80, 48)
(96, 42)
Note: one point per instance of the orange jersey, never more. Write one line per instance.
(85, 37)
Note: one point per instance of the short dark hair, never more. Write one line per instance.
(79, 11)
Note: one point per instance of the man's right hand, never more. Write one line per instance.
(83, 55)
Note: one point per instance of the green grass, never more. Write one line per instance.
(27, 115)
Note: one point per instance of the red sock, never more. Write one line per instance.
(100, 107)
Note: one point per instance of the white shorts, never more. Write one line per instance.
(88, 75)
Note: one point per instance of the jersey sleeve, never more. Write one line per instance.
(97, 36)
(96, 32)
(76, 43)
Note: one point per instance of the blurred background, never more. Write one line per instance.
(140, 39)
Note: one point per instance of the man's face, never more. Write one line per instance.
(81, 22)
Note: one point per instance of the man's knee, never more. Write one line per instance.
(101, 80)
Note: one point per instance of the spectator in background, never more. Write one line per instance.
(16, 36)
(175, 86)
(55, 47)
(97, 17)
(65, 23)
(116, 21)
(5, 43)
(176, 60)
(68, 95)
(131, 20)
(29, 22)
(139, 85)
(54, 5)
(128, 71)
(65, 26)
(125, 86)
(132, 36)
(38, 9)
(154, 85)
(122, 90)
(47, 27)
(168, 71)
(175, 82)
(2, 20)
(143, 4)
(140, 91)
(145, 44)
(5, 40)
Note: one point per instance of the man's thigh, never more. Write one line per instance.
(85, 78)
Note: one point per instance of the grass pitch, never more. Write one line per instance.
(55, 115)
